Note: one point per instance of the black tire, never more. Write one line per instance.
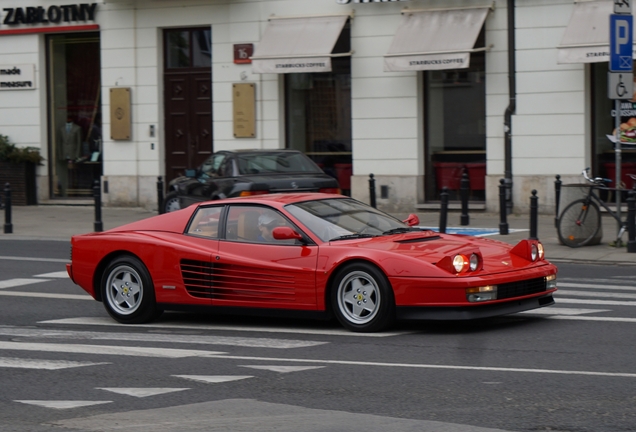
(579, 223)
(171, 202)
(362, 298)
(128, 293)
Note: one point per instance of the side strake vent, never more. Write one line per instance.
(234, 282)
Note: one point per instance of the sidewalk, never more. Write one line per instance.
(61, 222)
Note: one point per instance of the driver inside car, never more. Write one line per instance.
(266, 224)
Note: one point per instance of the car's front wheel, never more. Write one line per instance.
(128, 292)
(171, 202)
(362, 298)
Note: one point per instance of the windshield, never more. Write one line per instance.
(275, 162)
(333, 218)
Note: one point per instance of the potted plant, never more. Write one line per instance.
(17, 167)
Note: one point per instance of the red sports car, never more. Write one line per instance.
(309, 255)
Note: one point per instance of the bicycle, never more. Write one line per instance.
(580, 221)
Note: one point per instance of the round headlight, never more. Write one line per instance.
(534, 252)
(459, 263)
(474, 262)
(540, 248)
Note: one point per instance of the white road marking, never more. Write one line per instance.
(47, 295)
(429, 366)
(59, 275)
(10, 283)
(595, 286)
(562, 311)
(588, 318)
(55, 260)
(595, 302)
(109, 322)
(156, 337)
(283, 369)
(23, 363)
(105, 350)
(62, 404)
(142, 392)
(213, 379)
(595, 294)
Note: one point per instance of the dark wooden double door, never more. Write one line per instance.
(188, 127)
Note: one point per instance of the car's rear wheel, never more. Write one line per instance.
(171, 202)
(362, 298)
(128, 292)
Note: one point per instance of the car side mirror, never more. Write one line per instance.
(412, 220)
(286, 233)
(191, 173)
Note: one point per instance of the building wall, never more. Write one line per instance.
(549, 127)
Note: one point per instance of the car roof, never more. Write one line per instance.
(265, 151)
(277, 198)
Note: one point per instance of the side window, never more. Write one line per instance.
(212, 166)
(206, 222)
(254, 225)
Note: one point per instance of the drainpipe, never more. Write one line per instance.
(512, 104)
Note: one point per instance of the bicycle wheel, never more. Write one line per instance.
(579, 223)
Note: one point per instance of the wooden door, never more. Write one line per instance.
(187, 100)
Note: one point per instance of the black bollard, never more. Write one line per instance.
(97, 194)
(503, 224)
(631, 222)
(160, 195)
(443, 211)
(534, 209)
(557, 198)
(8, 226)
(464, 190)
(372, 190)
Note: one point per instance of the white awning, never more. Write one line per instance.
(586, 39)
(294, 45)
(435, 39)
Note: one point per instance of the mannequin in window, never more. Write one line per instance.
(69, 145)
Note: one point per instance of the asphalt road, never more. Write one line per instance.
(64, 365)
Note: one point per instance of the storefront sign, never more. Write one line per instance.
(52, 14)
(244, 110)
(17, 77)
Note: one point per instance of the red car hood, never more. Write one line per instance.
(430, 247)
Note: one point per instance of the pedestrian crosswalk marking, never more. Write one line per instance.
(598, 295)
(595, 302)
(213, 379)
(282, 369)
(47, 295)
(106, 350)
(251, 342)
(58, 275)
(562, 311)
(22, 363)
(142, 392)
(62, 404)
(595, 286)
(10, 283)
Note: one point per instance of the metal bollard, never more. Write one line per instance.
(534, 209)
(443, 213)
(97, 194)
(631, 222)
(557, 198)
(8, 226)
(372, 190)
(503, 224)
(464, 189)
(160, 195)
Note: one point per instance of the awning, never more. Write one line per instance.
(435, 39)
(586, 39)
(294, 45)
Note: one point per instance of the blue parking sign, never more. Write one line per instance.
(621, 42)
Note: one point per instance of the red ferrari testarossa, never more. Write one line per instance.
(309, 255)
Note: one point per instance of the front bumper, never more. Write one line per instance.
(476, 311)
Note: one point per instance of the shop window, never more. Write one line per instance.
(455, 129)
(318, 114)
(75, 124)
(603, 162)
